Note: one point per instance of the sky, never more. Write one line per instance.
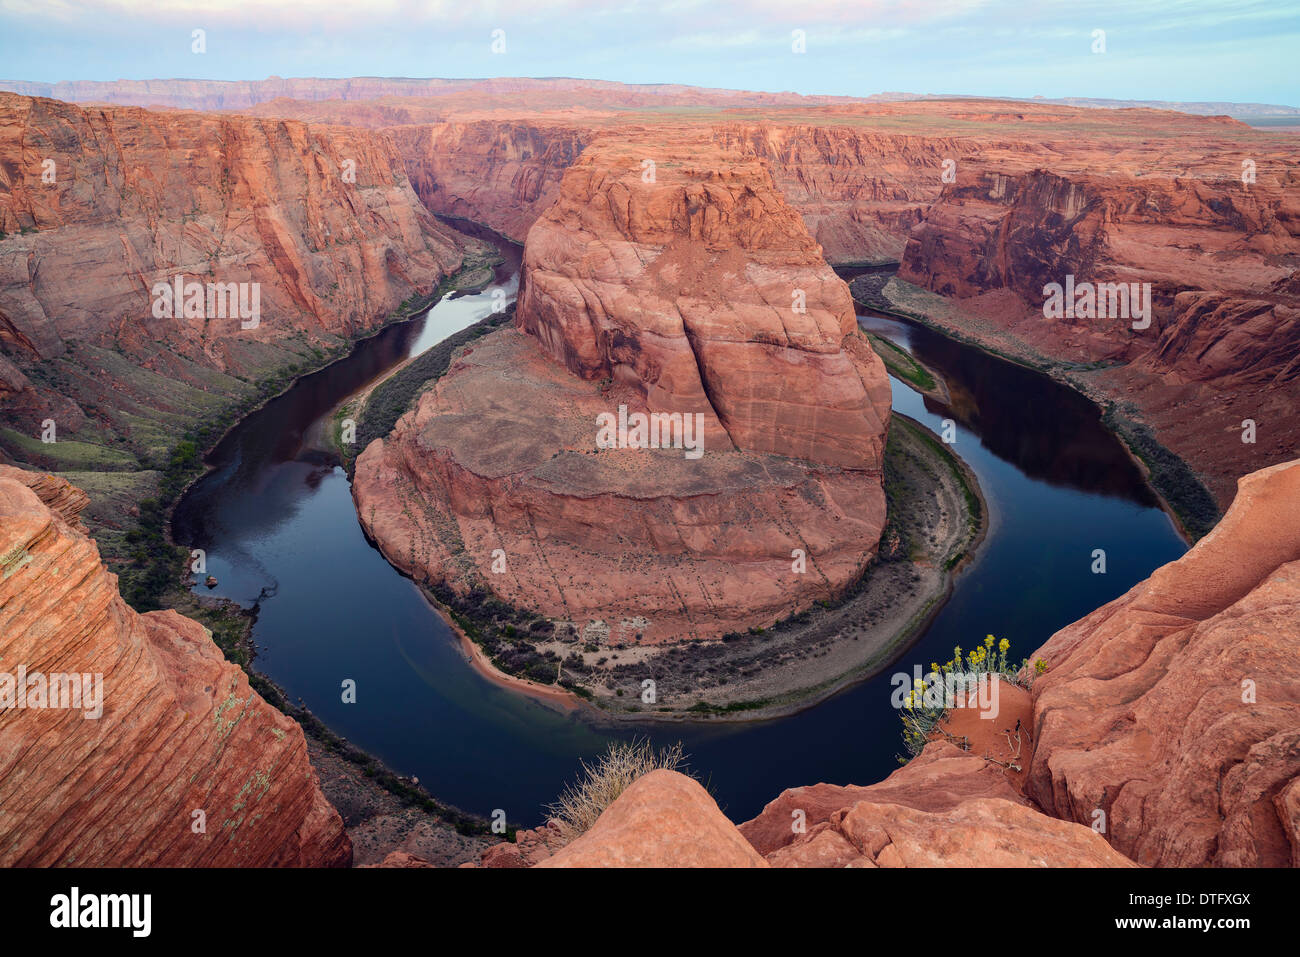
(1230, 50)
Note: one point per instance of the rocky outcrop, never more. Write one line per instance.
(948, 808)
(1175, 709)
(1232, 341)
(697, 296)
(175, 762)
(704, 292)
(663, 819)
(101, 204)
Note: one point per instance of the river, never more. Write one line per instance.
(277, 520)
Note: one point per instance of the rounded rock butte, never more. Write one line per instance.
(697, 293)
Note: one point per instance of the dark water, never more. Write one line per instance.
(278, 523)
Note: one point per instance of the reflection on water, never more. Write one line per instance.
(1048, 432)
(278, 522)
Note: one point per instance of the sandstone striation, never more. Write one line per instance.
(676, 298)
(180, 731)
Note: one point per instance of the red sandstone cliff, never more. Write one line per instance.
(860, 191)
(180, 731)
(100, 204)
(1006, 226)
(501, 174)
(1175, 709)
(676, 297)
(703, 290)
(1219, 256)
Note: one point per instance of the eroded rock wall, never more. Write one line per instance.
(101, 204)
(180, 730)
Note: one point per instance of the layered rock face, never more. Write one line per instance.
(1216, 252)
(503, 175)
(178, 728)
(673, 298)
(1216, 255)
(860, 191)
(1175, 709)
(704, 290)
(100, 205)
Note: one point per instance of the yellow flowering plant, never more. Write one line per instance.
(920, 718)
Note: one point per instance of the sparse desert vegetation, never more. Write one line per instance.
(580, 803)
